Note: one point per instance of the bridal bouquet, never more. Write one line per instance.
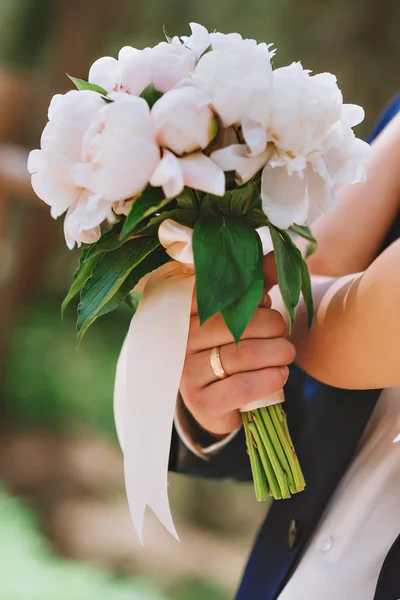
(179, 167)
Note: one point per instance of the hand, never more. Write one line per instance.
(256, 367)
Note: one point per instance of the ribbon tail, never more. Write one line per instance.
(120, 392)
(148, 376)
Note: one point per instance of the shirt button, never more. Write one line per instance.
(325, 544)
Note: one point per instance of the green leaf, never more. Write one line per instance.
(226, 252)
(255, 203)
(85, 85)
(89, 257)
(206, 51)
(152, 261)
(133, 300)
(288, 270)
(296, 271)
(150, 94)
(310, 249)
(151, 200)
(166, 35)
(239, 314)
(304, 232)
(306, 290)
(187, 216)
(84, 253)
(187, 199)
(109, 275)
(256, 218)
(83, 274)
(234, 203)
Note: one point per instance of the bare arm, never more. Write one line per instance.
(350, 238)
(354, 341)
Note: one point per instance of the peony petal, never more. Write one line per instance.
(321, 198)
(266, 240)
(236, 158)
(83, 219)
(199, 41)
(177, 241)
(318, 162)
(127, 53)
(55, 103)
(105, 72)
(255, 136)
(81, 173)
(168, 175)
(36, 161)
(284, 197)
(352, 114)
(136, 71)
(201, 173)
(183, 120)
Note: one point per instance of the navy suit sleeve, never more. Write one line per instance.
(385, 117)
(230, 462)
(389, 112)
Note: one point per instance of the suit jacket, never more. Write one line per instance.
(318, 416)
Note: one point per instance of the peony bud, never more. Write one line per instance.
(184, 121)
(164, 66)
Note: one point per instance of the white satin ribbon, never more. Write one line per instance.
(148, 374)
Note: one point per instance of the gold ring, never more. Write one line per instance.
(216, 364)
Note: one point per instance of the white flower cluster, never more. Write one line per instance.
(221, 107)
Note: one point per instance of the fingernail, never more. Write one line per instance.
(285, 372)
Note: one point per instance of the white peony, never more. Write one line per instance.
(119, 152)
(51, 167)
(238, 80)
(94, 157)
(303, 110)
(184, 120)
(165, 65)
(305, 142)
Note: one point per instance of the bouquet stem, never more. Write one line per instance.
(274, 463)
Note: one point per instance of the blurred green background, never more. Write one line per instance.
(65, 531)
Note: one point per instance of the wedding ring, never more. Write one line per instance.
(216, 365)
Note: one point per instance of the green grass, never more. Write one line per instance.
(30, 570)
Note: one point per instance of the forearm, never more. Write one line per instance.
(353, 342)
(350, 238)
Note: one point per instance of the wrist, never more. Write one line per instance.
(203, 436)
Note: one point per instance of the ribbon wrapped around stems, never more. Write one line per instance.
(148, 374)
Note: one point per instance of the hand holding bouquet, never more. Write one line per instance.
(179, 167)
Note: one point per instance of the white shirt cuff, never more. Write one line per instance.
(183, 430)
